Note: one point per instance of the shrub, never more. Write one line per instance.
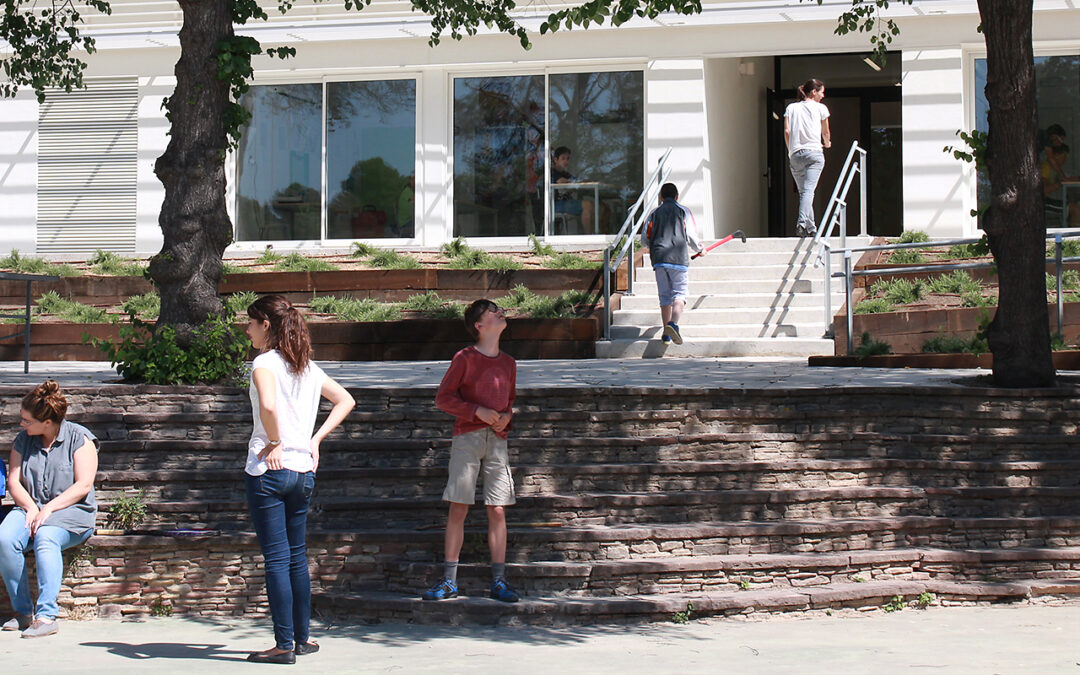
(1070, 248)
(871, 347)
(351, 309)
(229, 268)
(295, 262)
(1070, 281)
(215, 355)
(20, 265)
(361, 250)
(146, 306)
(958, 281)
(899, 291)
(979, 249)
(502, 263)
(543, 306)
(70, 310)
(571, 261)
(976, 299)
(434, 306)
(945, 344)
(455, 248)
(268, 257)
(108, 263)
(127, 512)
(912, 237)
(1058, 342)
(541, 249)
(392, 260)
(238, 303)
(469, 258)
(873, 306)
(906, 256)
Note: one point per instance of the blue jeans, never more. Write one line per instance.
(806, 166)
(278, 502)
(48, 544)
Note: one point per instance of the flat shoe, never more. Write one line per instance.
(264, 657)
(306, 648)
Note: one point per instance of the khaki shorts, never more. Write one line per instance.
(468, 454)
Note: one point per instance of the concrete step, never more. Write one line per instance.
(747, 272)
(381, 605)
(640, 301)
(728, 316)
(646, 286)
(713, 347)
(713, 331)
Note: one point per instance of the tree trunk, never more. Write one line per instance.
(193, 216)
(1015, 225)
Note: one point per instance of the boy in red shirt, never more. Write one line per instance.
(478, 390)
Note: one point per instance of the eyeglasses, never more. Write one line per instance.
(497, 310)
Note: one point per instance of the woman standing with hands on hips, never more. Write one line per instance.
(283, 456)
(806, 134)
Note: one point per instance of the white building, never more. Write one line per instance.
(367, 108)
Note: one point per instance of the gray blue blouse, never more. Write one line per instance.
(46, 474)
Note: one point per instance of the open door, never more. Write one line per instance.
(777, 174)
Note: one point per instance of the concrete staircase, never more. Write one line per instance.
(763, 297)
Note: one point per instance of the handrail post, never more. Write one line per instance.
(1057, 262)
(630, 270)
(843, 224)
(829, 332)
(849, 291)
(26, 350)
(607, 293)
(862, 194)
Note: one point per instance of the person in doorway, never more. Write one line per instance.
(1052, 170)
(478, 390)
(53, 465)
(283, 456)
(806, 135)
(669, 230)
(565, 202)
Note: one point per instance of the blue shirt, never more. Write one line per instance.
(45, 474)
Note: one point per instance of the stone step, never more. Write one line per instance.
(697, 302)
(381, 605)
(704, 347)
(734, 573)
(800, 317)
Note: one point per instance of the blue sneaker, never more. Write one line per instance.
(671, 332)
(502, 591)
(443, 590)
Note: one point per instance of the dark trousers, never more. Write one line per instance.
(278, 502)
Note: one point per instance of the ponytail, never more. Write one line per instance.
(288, 331)
(804, 90)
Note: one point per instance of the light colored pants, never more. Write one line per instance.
(806, 166)
(48, 543)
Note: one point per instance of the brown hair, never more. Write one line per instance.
(288, 331)
(473, 313)
(809, 87)
(46, 402)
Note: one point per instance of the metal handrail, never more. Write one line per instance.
(630, 228)
(25, 316)
(836, 211)
(849, 274)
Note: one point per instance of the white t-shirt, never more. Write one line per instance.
(297, 408)
(804, 125)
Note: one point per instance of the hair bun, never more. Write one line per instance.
(50, 387)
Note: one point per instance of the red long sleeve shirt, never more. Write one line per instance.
(475, 380)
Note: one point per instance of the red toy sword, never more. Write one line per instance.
(736, 233)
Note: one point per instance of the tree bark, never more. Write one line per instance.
(1015, 224)
(193, 217)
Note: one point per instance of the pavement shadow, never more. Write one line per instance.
(170, 650)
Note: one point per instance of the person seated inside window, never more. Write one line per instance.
(568, 202)
(1052, 170)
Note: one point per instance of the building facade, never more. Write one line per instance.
(371, 134)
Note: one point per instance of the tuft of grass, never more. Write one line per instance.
(873, 306)
(269, 256)
(361, 250)
(351, 309)
(977, 299)
(70, 310)
(431, 304)
(1058, 342)
(229, 268)
(502, 263)
(542, 306)
(912, 237)
(1070, 248)
(899, 291)
(468, 259)
(237, 303)
(389, 259)
(906, 256)
(979, 249)
(570, 261)
(295, 262)
(1070, 281)
(871, 347)
(455, 248)
(15, 262)
(541, 249)
(958, 281)
(146, 306)
(945, 344)
(107, 263)
(895, 604)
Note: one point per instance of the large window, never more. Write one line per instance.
(370, 134)
(507, 180)
(1057, 93)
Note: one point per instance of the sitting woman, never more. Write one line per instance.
(51, 480)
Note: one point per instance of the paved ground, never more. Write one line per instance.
(1020, 639)
(704, 372)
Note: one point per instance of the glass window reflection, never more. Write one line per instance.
(370, 159)
(279, 164)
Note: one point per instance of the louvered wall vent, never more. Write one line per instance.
(88, 145)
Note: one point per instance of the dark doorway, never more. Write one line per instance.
(864, 106)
